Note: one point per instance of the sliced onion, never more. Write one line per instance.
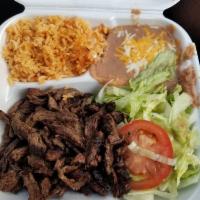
(99, 97)
(151, 155)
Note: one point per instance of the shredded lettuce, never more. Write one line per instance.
(147, 98)
(145, 195)
(149, 195)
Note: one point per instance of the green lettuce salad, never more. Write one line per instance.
(148, 97)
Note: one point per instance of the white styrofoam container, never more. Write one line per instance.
(109, 12)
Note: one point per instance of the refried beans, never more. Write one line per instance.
(111, 67)
(188, 79)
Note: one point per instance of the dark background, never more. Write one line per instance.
(186, 13)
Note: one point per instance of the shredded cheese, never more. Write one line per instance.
(138, 52)
(136, 66)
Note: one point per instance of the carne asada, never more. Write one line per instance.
(61, 139)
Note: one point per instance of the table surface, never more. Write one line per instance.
(186, 13)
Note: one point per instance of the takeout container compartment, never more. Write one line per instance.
(109, 12)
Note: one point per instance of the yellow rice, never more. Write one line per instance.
(46, 48)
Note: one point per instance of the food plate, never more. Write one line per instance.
(110, 13)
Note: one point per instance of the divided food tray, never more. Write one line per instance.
(110, 13)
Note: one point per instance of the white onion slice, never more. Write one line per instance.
(99, 97)
(151, 155)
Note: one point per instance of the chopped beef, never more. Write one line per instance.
(92, 125)
(74, 184)
(10, 147)
(45, 186)
(58, 191)
(36, 96)
(63, 93)
(53, 155)
(46, 137)
(36, 144)
(21, 129)
(99, 184)
(123, 176)
(109, 125)
(78, 103)
(71, 148)
(68, 133)
(94, 147)
(57, 122)
(26, 108)
(7, 137)
(109, 158)
(3, 164)
(10, 182)
(79, 159)
(15, 107)
(98, 188)
(58, 143)
(114, 139)
(118, 116)
(91, 108)
(52, 104)
(4, 117)
(57, 140)
(39, 165)
(115, 185)
(32, 186)
(40, 115)
(110, 107)
(75, 104)
(4, 154)
(19, 153)
(79, 179)
(8, 134)
(59, 164)
(35, 92)
(15, 166)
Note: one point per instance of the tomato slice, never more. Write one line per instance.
(152, 137)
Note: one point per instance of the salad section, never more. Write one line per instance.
(151, 96)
